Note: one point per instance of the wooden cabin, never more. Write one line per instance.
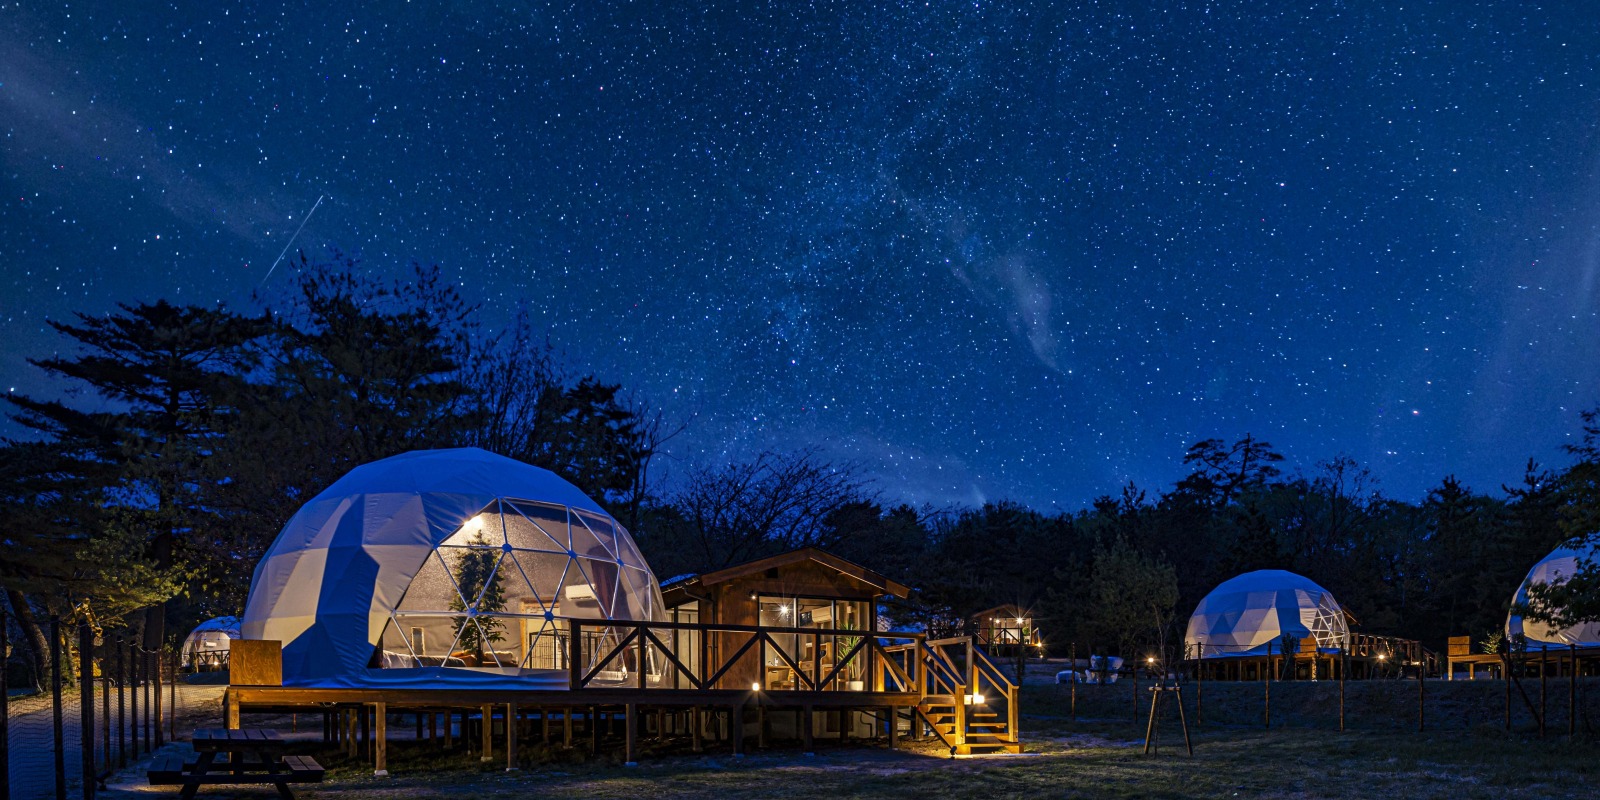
(802, 589)
(1003, 629)
(786, 647)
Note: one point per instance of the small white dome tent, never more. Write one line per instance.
(443, 567)
(1554, 568)
(206, 647)
(1245, 614)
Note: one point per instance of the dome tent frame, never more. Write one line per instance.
(1556, 567)
(585, 545)
(223, 629)
(1250, 613)
(365, 555)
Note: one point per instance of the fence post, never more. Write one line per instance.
(1199, 680)
(1266, 706)
(105, 703)
(155, 691)
(1572, 690)
(1505, 672)
(1075, 674)
(144, 670)
(122, 707)
(172, 702)
(86, 705)
(1421, 698)
(1344, 670)
(55, 705)
(1544, 669)
(5, 712)
(1133, 673)
(133, 701)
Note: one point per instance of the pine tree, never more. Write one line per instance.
(483, 590)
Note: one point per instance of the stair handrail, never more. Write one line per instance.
(986, 669)
(943, 669)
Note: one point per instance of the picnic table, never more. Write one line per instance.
(252, 757)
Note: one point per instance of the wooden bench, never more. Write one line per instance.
(252, 760)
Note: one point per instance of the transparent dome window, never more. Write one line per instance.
(498, 594)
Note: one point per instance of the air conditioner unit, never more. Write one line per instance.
(579, 592)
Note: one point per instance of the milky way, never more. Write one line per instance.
(985, 250)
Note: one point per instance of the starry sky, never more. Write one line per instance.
(1018, 250)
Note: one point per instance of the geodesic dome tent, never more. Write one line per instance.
(442, 568)
(1245, 614)
(1554, 568)
(207, 646)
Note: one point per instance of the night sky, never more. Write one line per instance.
(1023, 251)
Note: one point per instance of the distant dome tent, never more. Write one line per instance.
(1247, 613)
(1554, 568)
(444, 568)
(207, 646)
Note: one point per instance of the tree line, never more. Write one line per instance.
(144, 495)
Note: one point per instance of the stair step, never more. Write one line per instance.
(967, 749)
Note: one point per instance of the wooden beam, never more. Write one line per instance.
(380, 742)
(511, 737)
(487, 755)
(631, 723)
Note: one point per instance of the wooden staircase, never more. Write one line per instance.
(967, 702)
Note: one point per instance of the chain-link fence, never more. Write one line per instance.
(99, 705)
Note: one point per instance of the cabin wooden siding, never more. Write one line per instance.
(737, 602)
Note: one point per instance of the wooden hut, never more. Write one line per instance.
(802, 589)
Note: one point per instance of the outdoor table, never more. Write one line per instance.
(253, 757)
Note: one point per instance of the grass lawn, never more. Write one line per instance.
(1091, 758)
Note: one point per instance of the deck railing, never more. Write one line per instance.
(704, 656)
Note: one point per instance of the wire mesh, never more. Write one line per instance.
(45, 751)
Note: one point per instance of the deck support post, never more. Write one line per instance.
(736, 728)
(511, 737)
(544, 724)
(630, 722)
(233, 714)
(594, 730)
(449, 730)
(894, 727)
(696, 731)
(806, 724)
(380, 740)
(1572, 690)
(566, 726)
(488, 734)
(761, 726)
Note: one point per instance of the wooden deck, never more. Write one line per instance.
(1544, 661)
(679, 679)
